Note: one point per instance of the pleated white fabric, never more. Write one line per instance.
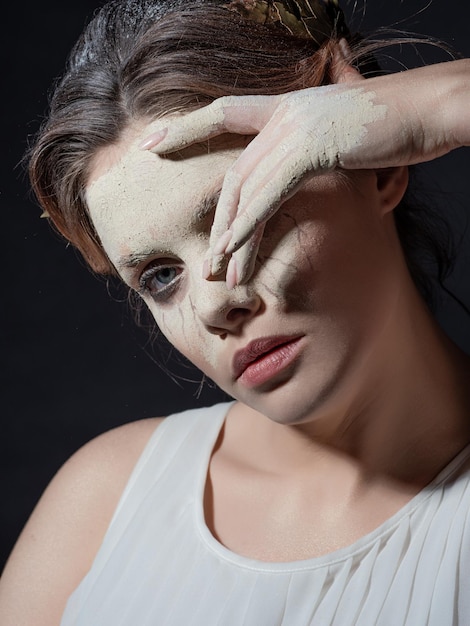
(159, 565)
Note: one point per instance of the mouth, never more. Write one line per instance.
(263, 358)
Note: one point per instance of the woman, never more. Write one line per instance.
(335, 489)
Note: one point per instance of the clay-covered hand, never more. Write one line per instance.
(399, 119)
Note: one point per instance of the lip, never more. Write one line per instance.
(263, 358)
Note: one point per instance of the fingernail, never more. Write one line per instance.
(222, 243)
(235, 242)
(206, 269)
(243, 272)
(230, 247)
(152, 140)
(217, 264)
(231, 278)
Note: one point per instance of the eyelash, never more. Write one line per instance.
(151, 272)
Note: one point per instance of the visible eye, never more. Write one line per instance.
(159, 280)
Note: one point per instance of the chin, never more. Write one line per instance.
(295, 402)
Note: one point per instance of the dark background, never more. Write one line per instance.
(75, 362)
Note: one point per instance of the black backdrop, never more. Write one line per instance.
(75, 362)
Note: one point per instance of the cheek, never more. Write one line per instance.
(358, 283)
(182, 328)
(288, 259)
(340, 270)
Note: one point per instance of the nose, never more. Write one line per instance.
(225, 311)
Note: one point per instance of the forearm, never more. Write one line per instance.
(433, 103)
(456, 102)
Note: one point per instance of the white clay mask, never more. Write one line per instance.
(145, 208)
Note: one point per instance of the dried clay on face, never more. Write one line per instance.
(144, 202)
(141, 189)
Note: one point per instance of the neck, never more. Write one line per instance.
(405, 414)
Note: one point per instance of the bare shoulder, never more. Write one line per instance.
(64, 532)
(114, 453)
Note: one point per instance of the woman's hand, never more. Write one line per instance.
(399, 119)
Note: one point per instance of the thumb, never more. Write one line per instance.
(342, 70)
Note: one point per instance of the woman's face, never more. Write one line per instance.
(295, 338)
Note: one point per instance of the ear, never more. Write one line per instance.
(392, 183)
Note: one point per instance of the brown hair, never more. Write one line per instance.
(141, 59)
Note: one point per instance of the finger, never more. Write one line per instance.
(214, 265)
(243, 115)
(266, 159)
(256, 210)
(242, 262)
(178, 132)
(279, 183)
(238, 183)
(226, 209)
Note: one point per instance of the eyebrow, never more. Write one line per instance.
(201, 211)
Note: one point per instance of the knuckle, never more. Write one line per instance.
(219, 105)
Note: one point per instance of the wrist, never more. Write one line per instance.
(455, 104)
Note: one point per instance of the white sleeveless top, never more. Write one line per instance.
(159, 565)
